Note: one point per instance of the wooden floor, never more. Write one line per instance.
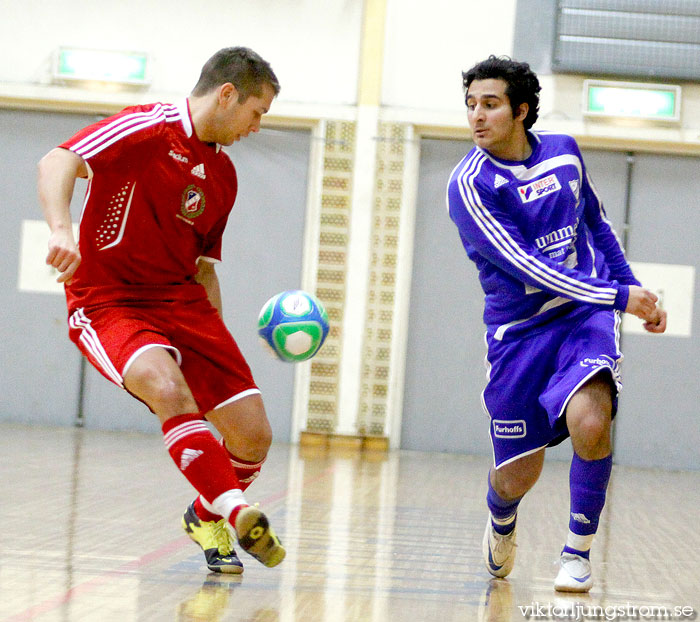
(91, 532)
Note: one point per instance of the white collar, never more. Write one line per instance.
(184, 110)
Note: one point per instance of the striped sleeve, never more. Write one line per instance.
(109, 138)
(489, 228)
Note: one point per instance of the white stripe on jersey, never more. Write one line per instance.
(126, 215)
(110, 128)
(515, 254)
(591, 250)
(123, 127)
(91, 342)
(550, 304)
(503, 242)
(526, 174)
(85, 200)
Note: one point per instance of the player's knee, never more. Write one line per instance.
(259, 441)
(591, 436)
(248, 442)
(589, 412)
(175, 395)
(164, 393)
(596, 427)
(513, 484)
(514, 488)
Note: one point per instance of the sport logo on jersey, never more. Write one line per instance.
(538, 189)
(499, 181)
(178, 156)
(573, 184)
(193, 202)
(198, 171)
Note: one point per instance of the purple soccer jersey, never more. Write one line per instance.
(538, 234)
(555, 279)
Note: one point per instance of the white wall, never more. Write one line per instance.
(429, 44)
(313, 45)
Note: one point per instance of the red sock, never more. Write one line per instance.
(245, 471)
(203, 513)
(203, 462)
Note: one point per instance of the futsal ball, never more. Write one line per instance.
(294, 325)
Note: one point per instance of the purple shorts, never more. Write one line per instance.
(532, 377)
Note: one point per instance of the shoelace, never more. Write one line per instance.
(502, 542)
(222, 537)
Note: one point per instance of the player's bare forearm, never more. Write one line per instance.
(58, 170)
(57, 173)
(206, 276)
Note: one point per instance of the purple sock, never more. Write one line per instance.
(588, 482)
(501, 510)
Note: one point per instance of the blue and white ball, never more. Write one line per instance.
(294, 325)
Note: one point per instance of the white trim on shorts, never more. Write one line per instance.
(595, 371)
(91, 342)
(142, 349)
(237, 397)
(514, 458)
(614, 371)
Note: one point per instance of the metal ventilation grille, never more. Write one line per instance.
(336, 200)
(383, 264)
(632, 38)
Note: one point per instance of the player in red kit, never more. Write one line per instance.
(143, 296)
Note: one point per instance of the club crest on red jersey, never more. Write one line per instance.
(193, 202)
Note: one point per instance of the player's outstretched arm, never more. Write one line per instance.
(642, 303)
(58, 171)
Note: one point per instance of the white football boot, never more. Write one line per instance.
(574, 574)
(499, 551)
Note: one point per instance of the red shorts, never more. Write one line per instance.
(112, 337)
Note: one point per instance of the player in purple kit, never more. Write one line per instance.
(143, 296)
(555, 280)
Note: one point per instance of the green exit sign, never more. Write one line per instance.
(632, 100)
(75, 64)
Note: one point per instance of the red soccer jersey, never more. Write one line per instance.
(157, 200)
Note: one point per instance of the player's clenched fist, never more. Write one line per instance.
(63, 254)
(657, 323)
(642, 303)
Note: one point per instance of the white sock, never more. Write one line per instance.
(225, 503)
(578, 542)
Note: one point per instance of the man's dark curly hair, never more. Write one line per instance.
(522, 85)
